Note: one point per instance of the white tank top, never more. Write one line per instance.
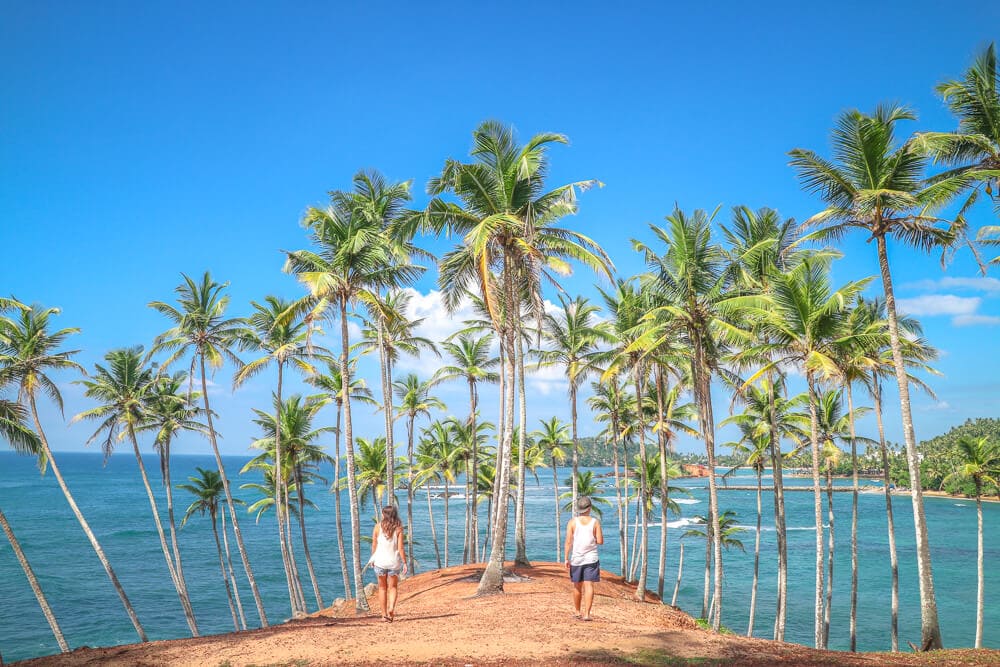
(584, 543)
(386, 556)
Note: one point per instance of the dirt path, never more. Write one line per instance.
(439, 622)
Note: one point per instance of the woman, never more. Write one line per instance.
(583, 536)
(387, 560)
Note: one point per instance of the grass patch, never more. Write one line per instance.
(290, 663)
(705, 625)
(656, 657)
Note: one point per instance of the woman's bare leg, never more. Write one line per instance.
(393, 594)
(382, 595)
(588, 599)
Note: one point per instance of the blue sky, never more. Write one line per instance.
(142, 140)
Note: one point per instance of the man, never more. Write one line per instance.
(583, 534)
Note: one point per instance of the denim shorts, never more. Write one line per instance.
(587, 572)
(382, 572)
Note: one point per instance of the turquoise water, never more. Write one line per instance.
(114, 502)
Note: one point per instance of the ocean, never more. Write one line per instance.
(115, 504)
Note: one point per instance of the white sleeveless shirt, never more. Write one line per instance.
(386, 556)
(584, 543)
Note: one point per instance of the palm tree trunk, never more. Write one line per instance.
(336, 505)
(781, 605)
(300, 598)
(492, 580)
(232, 573)
(680, 571)
(305, 541)
(979, 563)
(474, 475)
(434, 535)
(930, 630)
(185, 603)
(705, 612)
(704, 380)
(360, 600)
(83, 522)
(661, 434)
(37, 590)
(576, 447)
(520, 530)
(756, 553)
(829, 577)
(390, 440)
(640, 589)
(633, 565)
(818, 512)
(178, 568)
(409, 492)
(447, 502)
(890, 522)
(625, 506)
(229, 496)
(618, 500)
(281, 499)
(555, 491)
(854, 521)
(222, 569)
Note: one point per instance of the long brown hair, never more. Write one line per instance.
(390, 521)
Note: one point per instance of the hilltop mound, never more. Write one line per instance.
(439, 621)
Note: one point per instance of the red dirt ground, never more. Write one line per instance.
(440, 622)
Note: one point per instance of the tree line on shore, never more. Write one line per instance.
(730, 305)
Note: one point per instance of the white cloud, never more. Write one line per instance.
(940, 304)
(940, 406)
(974, 320)
(975, 283)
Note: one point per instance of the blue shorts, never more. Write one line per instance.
(383, 572)
(588, 572)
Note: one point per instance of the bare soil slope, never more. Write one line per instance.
(440, 622)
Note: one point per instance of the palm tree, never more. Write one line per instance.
(29, 352)
(296, 417)
(353, 262)
(389, 331)
(980, 462)
(331, 384)
(671, 418)
(208, 491)
(447, 452)
(761, 245)
(725, 534)
(573, 337)
(471, 361)
(754, 448)
(691, 286)
(613, 405)
(24, 441)
(202, 329)
(586, 485)
(802, 320)
(284, 338)
(874, 185)
(427, 471)
(768, 412)
(123, 389)
(507, 223)
(974, 149)
(627, 304)
(371, 472)
(917, 353)
(835, 425)
(552, 437)
(169, 411)
(415, 400)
